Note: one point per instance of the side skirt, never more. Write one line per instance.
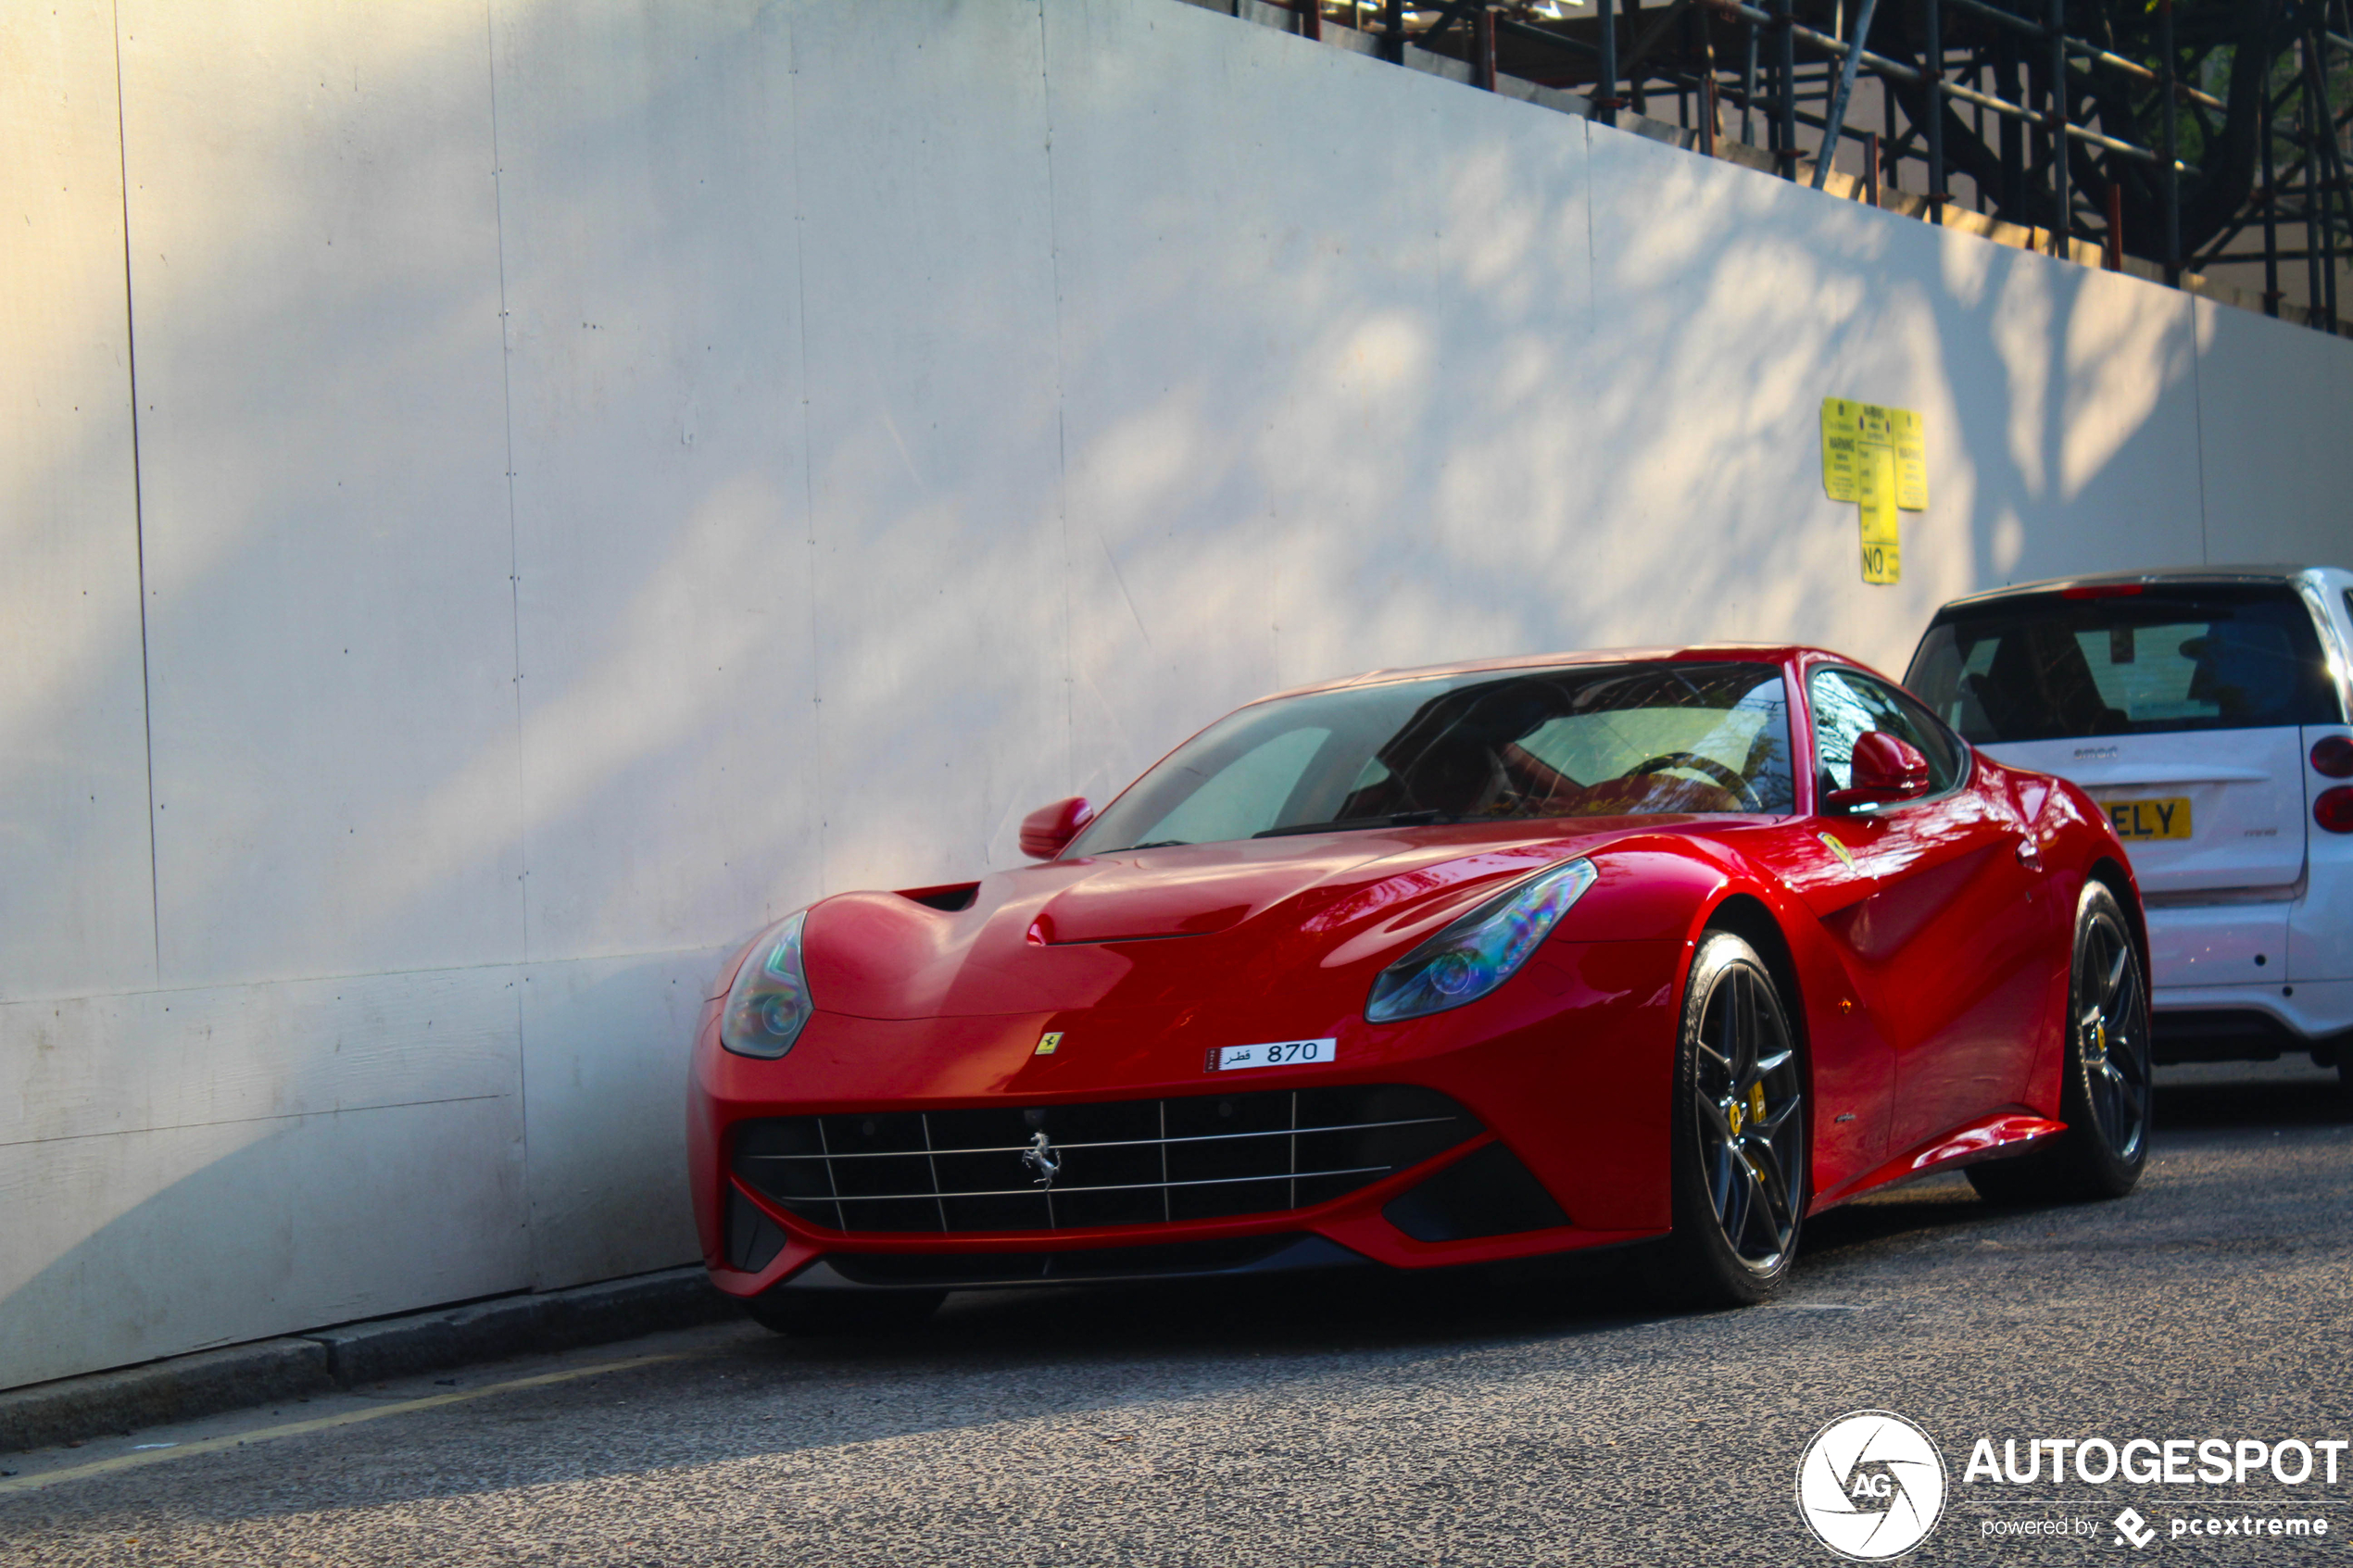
(1988, 1137)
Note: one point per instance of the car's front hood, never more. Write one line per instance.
(1146, 928)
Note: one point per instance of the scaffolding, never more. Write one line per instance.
(2212, 141)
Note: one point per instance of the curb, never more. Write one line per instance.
(204, 1383)
(212, 1382)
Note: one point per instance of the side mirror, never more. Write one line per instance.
(1048, 831)
(1886, 769)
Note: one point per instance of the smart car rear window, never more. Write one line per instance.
(2131, 658)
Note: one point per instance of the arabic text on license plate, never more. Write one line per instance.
(1279, 1053)
(2167, 818)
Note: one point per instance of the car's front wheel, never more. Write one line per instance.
(829, 1312)
(2104, 1092)
(1739, 1171)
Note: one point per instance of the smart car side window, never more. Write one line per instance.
(1847, 705)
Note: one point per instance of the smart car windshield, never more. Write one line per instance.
(1595, 740)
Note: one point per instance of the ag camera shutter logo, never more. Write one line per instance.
(1871, 1486)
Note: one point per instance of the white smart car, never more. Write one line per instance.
(2206, 708)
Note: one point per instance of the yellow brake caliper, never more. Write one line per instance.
(1745, 1112)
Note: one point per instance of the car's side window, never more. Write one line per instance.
(1847, 705)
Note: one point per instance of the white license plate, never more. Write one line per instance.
(1278, 1053)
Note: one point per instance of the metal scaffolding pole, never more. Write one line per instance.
(1835, 121)
(1786, 64)
(1638, 99)
(2062, 197)
(1711, 109)
(2324, 128)
(1748, 89)
(2005, 90)
(2271, 205)
(1606, 99)
(1932, 24)
(2315, 222)
(2170, 172)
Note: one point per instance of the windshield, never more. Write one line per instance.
(1599, 740)
(2129, 660)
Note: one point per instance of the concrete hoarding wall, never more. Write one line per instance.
(606, 475)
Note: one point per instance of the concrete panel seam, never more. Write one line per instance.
(138, 501)
(2198, 410)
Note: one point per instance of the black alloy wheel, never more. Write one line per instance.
(1740, 1135)
(2105, 1086)
(810, 1313)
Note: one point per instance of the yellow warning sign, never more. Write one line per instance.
(1876, 457)
(1877, 493)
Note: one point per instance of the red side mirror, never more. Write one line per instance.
(1048, 831)
(1886, 769)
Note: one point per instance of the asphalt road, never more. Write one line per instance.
(1537, 1418)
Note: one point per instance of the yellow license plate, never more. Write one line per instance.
(2166, 818)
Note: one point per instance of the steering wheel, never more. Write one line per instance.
(1698, 764)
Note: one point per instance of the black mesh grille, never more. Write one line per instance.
(1128, 1162)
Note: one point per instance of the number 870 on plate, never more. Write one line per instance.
(1276, 1053)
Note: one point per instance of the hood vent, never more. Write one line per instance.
(954, 898)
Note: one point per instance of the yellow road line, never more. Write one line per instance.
(321, 1424)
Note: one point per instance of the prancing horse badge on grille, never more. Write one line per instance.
(1040, 1157)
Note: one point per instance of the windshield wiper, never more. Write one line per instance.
(1155, 844)
(1393, 820)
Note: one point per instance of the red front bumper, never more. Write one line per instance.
(1569, 1064)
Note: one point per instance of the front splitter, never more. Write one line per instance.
(1223, 1259)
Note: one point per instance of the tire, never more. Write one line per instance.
(2106, 1091)
(1739, 1155)
(2337, 1050)
(817, 1313)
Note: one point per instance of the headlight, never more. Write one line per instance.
(769, 1002)
(1481, 950)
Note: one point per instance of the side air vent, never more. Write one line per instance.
(1486, 1193)
(753, 1239)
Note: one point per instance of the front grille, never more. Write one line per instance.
(1125, 1162)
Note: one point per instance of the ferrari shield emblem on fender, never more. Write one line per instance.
(1845, 858)
(1047, 1044)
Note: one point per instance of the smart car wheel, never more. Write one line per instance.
(2105, 1093)
(1738, 1177)
(2338, 1049)
(812, 1313)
